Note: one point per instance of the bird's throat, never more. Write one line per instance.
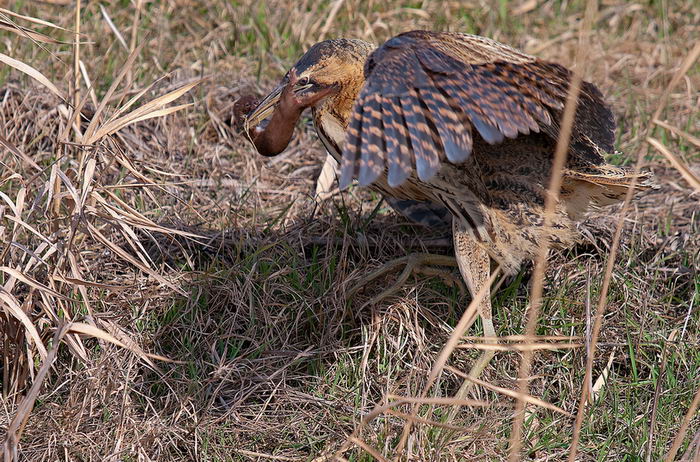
(331, 132)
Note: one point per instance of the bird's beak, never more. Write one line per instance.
(268, 104)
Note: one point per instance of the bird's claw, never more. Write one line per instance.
(292, 77)
(288, 98)
(293, 100)
(411, 263)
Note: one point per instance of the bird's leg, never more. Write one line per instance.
(411, 263)
(326, 179)
(475, 265)
(432, 216)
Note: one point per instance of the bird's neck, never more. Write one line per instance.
(339, 105)
(331, 116)
(331, 130)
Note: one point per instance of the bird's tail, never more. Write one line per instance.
(601, 185)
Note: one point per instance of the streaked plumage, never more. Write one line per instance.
(444, 86)
(463, 123)
(452, 127)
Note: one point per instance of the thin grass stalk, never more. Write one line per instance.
(508, 392)
(369, 449)
(14, 431)
(678, 164)
(685, 67)
(134, 34)
(678, 440)
(657, 393)
(432, 423)
(444, 355)
(600, 311)
(694, 140)
(551, 201)
(76, 64)
(337, 5)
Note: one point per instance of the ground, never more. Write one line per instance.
(173, 238)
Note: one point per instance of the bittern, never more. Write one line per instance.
(452, 125)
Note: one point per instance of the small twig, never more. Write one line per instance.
(657, 394)
(687, 317)
(265, 456)
(551, 201)
(14, 431)
(684, 427)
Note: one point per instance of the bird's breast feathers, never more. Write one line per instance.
(331, 132)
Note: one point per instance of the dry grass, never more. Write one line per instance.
(140, 238)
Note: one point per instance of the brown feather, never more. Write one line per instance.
(424, 149)
(398, 154)
(372, 146)
(454, 135)
(353, 148)
(454, 125)
(500, 92)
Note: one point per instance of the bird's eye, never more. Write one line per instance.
(303, 81)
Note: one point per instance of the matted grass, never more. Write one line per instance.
(172, 238)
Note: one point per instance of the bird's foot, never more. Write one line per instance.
(414, 263)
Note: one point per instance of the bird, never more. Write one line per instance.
(457, 128)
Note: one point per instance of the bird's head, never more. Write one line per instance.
(329, 75)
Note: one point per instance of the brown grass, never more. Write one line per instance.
(131, 239)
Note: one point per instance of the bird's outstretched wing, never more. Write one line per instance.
(427, 94)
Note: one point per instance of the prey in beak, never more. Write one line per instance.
(295, 88)
(285, 105)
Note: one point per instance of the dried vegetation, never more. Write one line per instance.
(168, 295)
